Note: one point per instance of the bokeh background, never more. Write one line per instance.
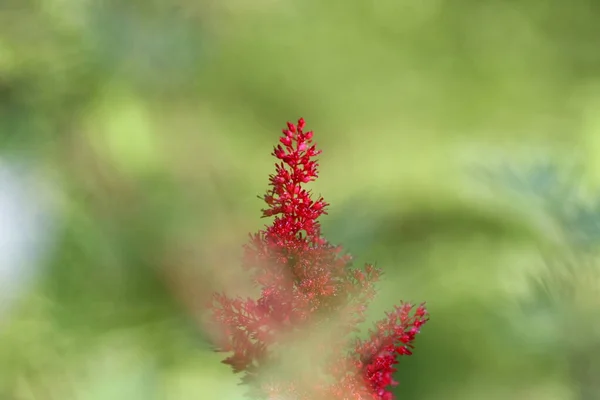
(460, 144)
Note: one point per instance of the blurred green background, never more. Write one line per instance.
(149, 126)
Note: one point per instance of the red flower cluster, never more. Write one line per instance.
(307, 283)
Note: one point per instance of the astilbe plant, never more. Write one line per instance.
(307, 283)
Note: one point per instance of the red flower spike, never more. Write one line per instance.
(307, 282)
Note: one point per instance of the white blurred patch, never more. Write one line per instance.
(26, 229)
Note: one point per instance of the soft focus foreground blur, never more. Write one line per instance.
(152, 124)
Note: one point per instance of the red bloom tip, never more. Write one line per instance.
(286, 197)
(301, 124)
